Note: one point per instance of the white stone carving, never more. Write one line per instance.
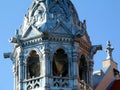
(109, 51)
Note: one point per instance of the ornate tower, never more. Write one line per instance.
(53, 50)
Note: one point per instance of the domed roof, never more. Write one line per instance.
(47, 14)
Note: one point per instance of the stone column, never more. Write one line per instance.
(20, 64)
(91, 64)
(47, 65)
(14, 73)
(25, 73)
(25, 70)
(74, 61)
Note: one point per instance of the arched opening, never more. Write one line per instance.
(83, 69)
(60, 63)
(33, 65)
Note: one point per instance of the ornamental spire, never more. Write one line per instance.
(109, 50)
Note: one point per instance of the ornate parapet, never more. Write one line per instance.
(34, 83)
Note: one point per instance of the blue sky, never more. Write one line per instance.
(103, 24)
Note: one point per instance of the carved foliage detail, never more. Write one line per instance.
(36, 15)
(61, 9)
(39, 14)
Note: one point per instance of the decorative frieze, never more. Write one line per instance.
(32, 42)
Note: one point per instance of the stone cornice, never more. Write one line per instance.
(40, 39)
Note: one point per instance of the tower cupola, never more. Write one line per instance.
(53, 50)
(47, 15)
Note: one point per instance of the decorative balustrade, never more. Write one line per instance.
(84, 86)
(57, 82)
(60, 82)
(33, 83)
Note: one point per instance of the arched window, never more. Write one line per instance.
(60, 63)
(33, 65)
(83, 69)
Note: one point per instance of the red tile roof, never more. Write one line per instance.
(116, 85)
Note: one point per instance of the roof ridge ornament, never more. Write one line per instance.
(109, 50)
